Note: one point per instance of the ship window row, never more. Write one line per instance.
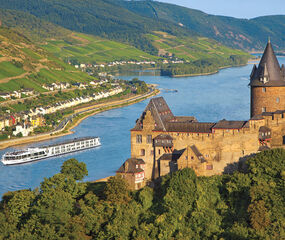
(25, 156)
(72, 146)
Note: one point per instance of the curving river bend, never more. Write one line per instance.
(208, 98)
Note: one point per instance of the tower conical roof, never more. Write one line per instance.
(268, 72)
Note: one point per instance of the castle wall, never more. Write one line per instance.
(270, 98)
(144, 147)
(220, 148)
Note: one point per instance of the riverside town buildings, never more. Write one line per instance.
(162, 143)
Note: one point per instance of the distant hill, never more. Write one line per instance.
(191, 48)
(238, 33)
(31, 26)
(82, 48)
(101, 17)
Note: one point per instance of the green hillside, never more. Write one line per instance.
(101, 17)
(191, 48)
(31, 26)
(81, 48)
(245, 34)
(25, 65)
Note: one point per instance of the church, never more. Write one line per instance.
(162, 143)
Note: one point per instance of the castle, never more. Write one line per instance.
(162, 143)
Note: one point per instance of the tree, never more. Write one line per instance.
(259, 215)
(116, 190)
(74, 169)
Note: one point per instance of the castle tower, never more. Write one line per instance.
(267, 83)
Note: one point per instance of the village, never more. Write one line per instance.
(122, 63)
(24, 123)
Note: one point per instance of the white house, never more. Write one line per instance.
(25, 130)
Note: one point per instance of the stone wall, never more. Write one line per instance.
(221, 148)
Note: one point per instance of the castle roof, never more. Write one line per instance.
(163, 140)
(198, 154)
(160, 112)
(174, 156)
(224, 124)
(194, 127)
(185, 119)
(268, 73)
(130, 166)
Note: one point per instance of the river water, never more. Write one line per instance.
(208, 98)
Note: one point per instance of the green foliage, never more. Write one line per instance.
(20, 203)
(73, 168)
(114, 22)
(238, 33)
(207, 65)
(116, 190)
(181, 206)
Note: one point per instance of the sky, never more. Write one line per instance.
(235, 8)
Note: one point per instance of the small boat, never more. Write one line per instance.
(38, 153)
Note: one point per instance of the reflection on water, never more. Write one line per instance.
(208, 98)
(139, 73)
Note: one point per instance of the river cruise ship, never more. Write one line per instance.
(38, 153)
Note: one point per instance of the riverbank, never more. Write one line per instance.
(208, 73)
(83, 113)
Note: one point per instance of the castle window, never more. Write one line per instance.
(192, 158)
(158, 151)
(139, 138)
(142, 152)
(278, 100)
(149, 139)
(264, 89)
(264, 109)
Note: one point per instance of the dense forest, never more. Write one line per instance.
(246, 34)
(249, 204)
(100, 18)
(129, 21)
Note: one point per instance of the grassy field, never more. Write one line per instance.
(89, 49)
(191, 49)
(8, 69)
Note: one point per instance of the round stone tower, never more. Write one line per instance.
(267, 83)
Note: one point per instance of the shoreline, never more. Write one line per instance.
(209, 73)
(67, 130)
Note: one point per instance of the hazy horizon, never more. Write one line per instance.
(235, 8)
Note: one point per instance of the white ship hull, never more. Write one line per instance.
(36, 154)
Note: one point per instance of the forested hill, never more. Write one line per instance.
(238, 33)
(101, 17)
(81, 48)
(32, 27)
(128, 21)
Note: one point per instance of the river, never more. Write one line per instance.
(208, 98)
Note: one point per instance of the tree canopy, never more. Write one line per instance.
(243, 205)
